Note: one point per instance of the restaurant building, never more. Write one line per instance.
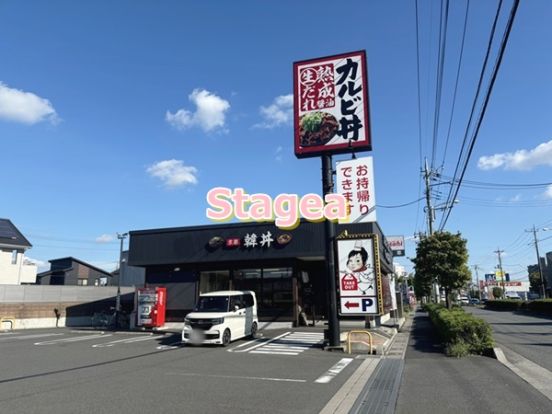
(285, 268)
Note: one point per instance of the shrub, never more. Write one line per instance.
(505, 305)
(541, 305)
(461, 332)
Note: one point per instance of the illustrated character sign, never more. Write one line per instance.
(359, 275)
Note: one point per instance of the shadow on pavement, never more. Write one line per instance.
(423, 337)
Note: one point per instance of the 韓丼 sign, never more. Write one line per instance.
(331, 105)
(355, 182)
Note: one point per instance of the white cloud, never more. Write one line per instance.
(279, 113)
(105, 238)
(210, 112)
(25, 107)
(173, 173)
(279, 154)
(548, 192)
(519, 160)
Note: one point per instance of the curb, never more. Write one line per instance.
(535, 375)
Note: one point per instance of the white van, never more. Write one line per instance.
(221, 317)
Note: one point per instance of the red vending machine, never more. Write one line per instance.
(151, 306)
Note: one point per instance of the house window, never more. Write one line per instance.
(82, 282)
(14, 257)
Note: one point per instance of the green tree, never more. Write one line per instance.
(443, 258)
(497, 292)
(534, 279)
(422, 285)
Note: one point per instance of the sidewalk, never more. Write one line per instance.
(433, 382)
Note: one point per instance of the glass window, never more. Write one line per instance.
(212, 304)
(214, 280)
(14, 257)
(82, 282)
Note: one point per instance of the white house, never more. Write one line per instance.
(15, 269)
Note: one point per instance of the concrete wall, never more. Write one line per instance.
(33, 306)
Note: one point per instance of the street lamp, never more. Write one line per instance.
(120, 236)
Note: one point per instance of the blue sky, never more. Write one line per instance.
(122, 115)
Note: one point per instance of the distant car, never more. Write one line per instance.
(512, 296)
(464, 300)
(474, 301)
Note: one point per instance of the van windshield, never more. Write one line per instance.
(212, 304)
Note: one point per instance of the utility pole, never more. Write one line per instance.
(334, 332)
(534, 231)
(476, 268)
(429, 209)
(427, 176)
(120, 236)
(499, 252)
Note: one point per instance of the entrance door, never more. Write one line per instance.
(211, 281)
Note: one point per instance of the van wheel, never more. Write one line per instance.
(254, 328)
(226, 337)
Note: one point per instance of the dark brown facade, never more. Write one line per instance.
(285, 268)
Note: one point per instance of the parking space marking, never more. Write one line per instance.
(258, 345)
(289, 343)
(124, 341)
(75, 339)
(192, 374)
(173, 345)
(333, 371)
(20, 337)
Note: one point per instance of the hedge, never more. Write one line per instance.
(541, 305)
(462, 333)
(505, 305)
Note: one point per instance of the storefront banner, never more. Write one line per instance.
(355, 182)
(331, 105)
(358, 289)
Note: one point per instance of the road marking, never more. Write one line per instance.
(172, 345)
(334, 371)
(191, 374)
(124, 341)
(258, 345)
(344, 399)
(274, 352)
(32, 336)
(76, 339)
(290, 343)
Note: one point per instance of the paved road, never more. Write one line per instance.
(434, 383)
(63, 371)
(529, 336)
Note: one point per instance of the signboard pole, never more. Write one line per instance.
(333, 321)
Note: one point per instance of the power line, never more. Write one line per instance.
(486, 102)
(472, 112)
(456, 82)
(401, 205)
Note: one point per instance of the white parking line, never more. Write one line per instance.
(333, 371)
(173, 345)
(191, 374)
(124, 341)
(76, 339)
(258, 345)
(31, 336)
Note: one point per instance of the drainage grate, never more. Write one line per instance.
(380, 394)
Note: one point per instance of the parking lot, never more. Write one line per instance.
(69, 371)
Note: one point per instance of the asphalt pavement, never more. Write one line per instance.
(435, 383)
(526, 334)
